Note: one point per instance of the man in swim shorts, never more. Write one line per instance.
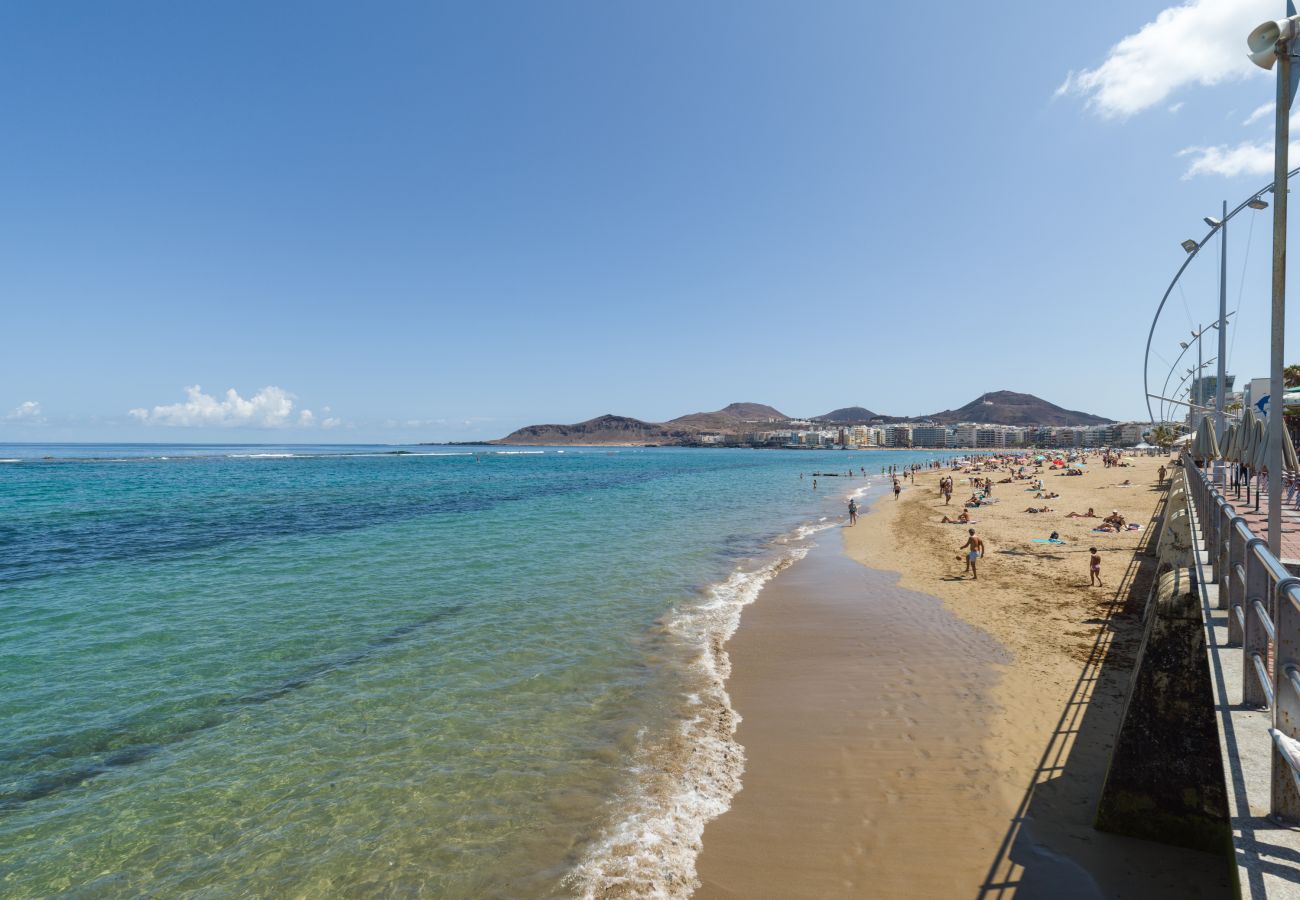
(975, 549)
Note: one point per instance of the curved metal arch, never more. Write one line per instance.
(1164, 389)
(1146, 361)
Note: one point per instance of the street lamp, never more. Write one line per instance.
(1271, 43)
(1255, 202)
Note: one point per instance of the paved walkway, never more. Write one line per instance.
(1258, 521)
(1267, 853)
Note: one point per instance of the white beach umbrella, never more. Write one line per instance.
(1230, 443)
(1289, 462)
(1249, 438)
(1205, 446)
(1259, 448)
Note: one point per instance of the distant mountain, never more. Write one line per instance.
(996, 408)
(1010, 408)
(600, 430)
(727, 418)
(849, 415)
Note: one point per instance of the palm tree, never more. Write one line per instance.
(1162, 436)
(1291, 376)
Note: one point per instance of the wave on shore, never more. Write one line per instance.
(688, 776)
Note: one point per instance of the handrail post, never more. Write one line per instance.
(1222, 571)
(1236, 583)
(1213, 527)
(1284, 797)
(1255, 640)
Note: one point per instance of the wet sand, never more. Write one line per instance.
(933, 736)
(852, 712)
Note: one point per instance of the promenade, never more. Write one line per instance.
(1242, 594)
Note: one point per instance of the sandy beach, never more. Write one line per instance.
(911, 732)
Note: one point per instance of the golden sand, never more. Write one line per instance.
(935, 762)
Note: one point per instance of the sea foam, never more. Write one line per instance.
(690, 776)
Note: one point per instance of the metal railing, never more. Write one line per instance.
(1262, 599)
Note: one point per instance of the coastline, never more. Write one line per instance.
(1018, 811)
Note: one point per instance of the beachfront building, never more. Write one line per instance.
(929, 436)
(862, 436)
(898, 436)
(963, 436)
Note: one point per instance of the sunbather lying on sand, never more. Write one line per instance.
(962, 519)
(1088, 515)
(1114, 520)
(1040, 509)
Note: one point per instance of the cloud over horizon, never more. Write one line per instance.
(29, 411)
(271, 407)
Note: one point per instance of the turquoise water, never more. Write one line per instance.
(289, 671)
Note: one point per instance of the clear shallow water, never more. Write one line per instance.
(323, 670)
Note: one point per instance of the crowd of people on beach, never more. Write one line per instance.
(985, 473)
(982, 474)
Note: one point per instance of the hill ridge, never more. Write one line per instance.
(990, 408)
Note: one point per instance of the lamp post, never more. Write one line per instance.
(1222, 373)
(1197, 334)
(1254, 202)
(1164, 388)
(1271, 43)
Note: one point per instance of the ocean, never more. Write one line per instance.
(371, 670)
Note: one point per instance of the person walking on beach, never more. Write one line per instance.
(853, 511)
(975, 549)
(1094, 568)
(1163, 473)
(897, 490)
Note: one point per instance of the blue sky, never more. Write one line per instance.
(421, 221)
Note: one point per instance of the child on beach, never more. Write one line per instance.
(1094, 568)
(853, 511)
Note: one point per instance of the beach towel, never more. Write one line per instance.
(1047, 541)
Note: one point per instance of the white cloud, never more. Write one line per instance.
(1261, 112)
(1200, 42)
(28, 411)
(331, 422)
(1246, 158)
(306, 418)
(270, 407)
(1176, 106)
(1243, 159)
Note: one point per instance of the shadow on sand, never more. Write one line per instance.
(1050, 849)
